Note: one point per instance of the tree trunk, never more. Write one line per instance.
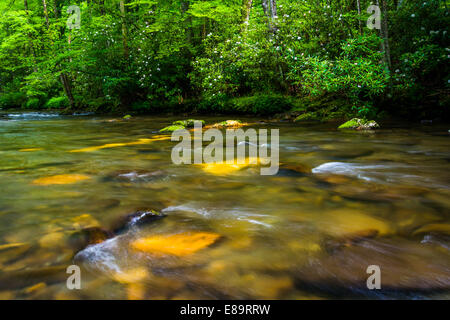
(56, 9)
(266, 9)
(102, 7)
(124, 30)
(386, 33)
(187, 21)
(358, 2)
(67, 89)
(44, 2)
(63, 77)
(33, 51)
(273, 9)
(247, 11)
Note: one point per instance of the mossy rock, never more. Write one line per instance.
(229, 124)
(309, 116)
(172, 128)
(188, 123)
(360, 124)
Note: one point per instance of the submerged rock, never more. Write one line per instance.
(406, 267)
(222, 169)
(60, 179)
(293, 170)
(12, 251)
(347, 223)
(178, 244)
(25, 278)
(360, 124)
(438, 228)
(89, 236)
(84, 221)
(53, 240)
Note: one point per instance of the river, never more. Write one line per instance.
(341, 202)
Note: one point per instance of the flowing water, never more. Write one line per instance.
(342, 201)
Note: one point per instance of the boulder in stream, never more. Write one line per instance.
(88, 236)
(172, 128)
(229, 124)
(189, 123)
(137, 218)
(360, 124)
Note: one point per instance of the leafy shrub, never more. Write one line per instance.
(32, 103)
(12, 100)
(357, 74)
(57, 103)
(262, 104)
(141, 106)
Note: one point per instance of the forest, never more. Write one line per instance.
(135, 139)
(313, 59)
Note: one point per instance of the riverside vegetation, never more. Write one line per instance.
(316, 60)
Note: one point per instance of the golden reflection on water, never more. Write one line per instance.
(341, 202)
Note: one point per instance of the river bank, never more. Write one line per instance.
(323, 109)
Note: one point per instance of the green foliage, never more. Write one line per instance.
(33, 103)
(205, 56)
(355, 74)
(262, 104)
(57, 103)
(12, 100)
(308, 116)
